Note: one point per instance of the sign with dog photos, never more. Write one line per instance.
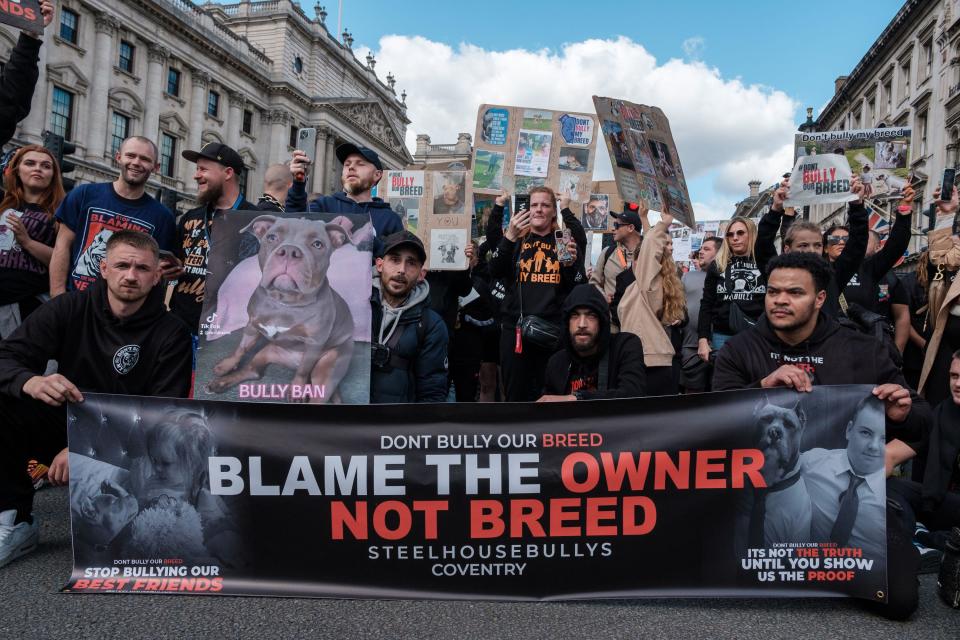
(287, 316)
(716, 494)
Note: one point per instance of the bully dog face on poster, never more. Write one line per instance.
(291, 323)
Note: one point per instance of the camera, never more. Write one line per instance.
(380, 355)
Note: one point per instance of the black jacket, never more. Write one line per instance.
(832, 355)
(148, 354)
(741, 284)
(943, 456)
(17, 84)
(863, 288)
(626, 375)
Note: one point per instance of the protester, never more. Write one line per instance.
(650, 303)
(114, 337)
(472, 333)
(795, 345)
(943, 308)
(935, 501)
(32, 192)
(409, 354)
(18, 77)
(915, 283)
(732, 290)
(619, 256)
(528, 260)
(218, 191)
(694, 372)
(362, 171)
(92, 212)
(277, 180)
(593, 364)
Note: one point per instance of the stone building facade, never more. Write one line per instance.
(247, 74)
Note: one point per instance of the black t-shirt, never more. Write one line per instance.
(877, 298)
(583, 375)
(538, 277)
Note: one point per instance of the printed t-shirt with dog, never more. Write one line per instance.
(94, 212)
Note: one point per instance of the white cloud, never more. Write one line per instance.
(721, 125)
(693, 47)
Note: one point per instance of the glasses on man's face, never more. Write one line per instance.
(835, 240)
(736, 234)
(617, 225)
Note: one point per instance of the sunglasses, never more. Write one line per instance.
(736, 234)
(617, 225)
(834, 240)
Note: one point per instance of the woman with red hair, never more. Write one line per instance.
(28, 230)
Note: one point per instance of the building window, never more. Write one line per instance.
(904, 79)
(61, 116)
(119, 130)
(213, 103)
(927, 58)
(921, 133)
(69, 22)
(871, 112)
(242, 180)
(888, 96)
(293, 137)
(126, 56)
(854, 120)
(168, 154)
(248, 121)
(173, 82)
(298, 65)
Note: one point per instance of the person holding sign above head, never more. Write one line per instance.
(362, 171)
(539, 270)
(19, 76)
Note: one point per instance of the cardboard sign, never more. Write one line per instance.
(22, 14)
(518, 148)
(820, 179)
(644, 157)
(881, 157)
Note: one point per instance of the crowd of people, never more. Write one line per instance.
(109, 284)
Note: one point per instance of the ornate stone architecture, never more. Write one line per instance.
(246, 74)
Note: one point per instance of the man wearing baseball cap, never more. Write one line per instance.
(617, 257)
(218, 190)
(361, 172)
(409, 351)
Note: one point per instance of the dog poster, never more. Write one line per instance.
(290, 318)
(446, 249)
(544, 148)
(645, 161)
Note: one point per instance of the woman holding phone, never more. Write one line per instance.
(33, 191)
(538, 276)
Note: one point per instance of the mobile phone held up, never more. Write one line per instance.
(563, 253)
(306, 142)
(521, 202)
(946, 186)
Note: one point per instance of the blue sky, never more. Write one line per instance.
(734, 78)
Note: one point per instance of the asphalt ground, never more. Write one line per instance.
(31, 606)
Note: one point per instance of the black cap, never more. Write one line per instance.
(630, 215)
(218, 152)
(404, 238)
(348, 149)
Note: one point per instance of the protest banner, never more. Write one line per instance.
(518, 148)
(645, 161)
(286, 314)
(880, 157)
(437, 205)
(22, 14)
(724, 494)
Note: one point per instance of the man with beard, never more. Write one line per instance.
(362, 171)
(796, 345)
(218, 190)
(593, 364)
(114, 337)
(409, 351)
(91, 213)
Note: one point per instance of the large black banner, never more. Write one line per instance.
(762, 493)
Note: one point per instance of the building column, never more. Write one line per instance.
(156, 59)
(329, 163)
(235, 118)
(279, 135)
(98, 116)
(198, 106)
(34, 124)
(320, 159)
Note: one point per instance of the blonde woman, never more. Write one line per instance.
(654, 306)
(733, 289)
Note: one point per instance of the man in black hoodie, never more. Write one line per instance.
(114, 337)
(796, 345)
(593, 364)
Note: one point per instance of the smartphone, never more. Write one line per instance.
(521, 202)
(946, 186)
(562, 237)
(306, 142)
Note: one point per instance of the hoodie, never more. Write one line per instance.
(148, 354)
(753, 354)
(569, 373)
(417, 339)
(385, 220)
